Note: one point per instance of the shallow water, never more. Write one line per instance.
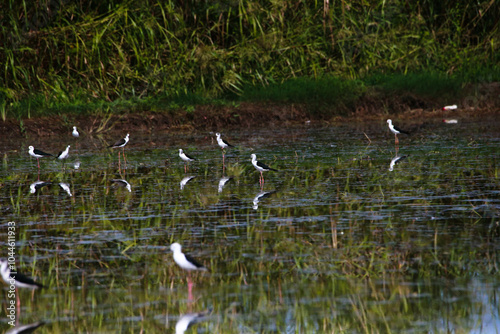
(338, 242)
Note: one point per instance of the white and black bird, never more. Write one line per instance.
(185, 261)
(75, 132)
(63, 154)
(186, 158)
(38, 185)
(394, 129)
(123, 183)
(261, 167)
(121, 143)
(395, 161)
(38, 154)
(223, 145)
(20, 281)
(188, 320)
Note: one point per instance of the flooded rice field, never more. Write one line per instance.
(343, 238)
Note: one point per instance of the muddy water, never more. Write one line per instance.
(338, 240)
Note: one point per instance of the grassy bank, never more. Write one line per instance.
(61, 56)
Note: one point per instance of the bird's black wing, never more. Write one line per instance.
(38, 152)
(194, 262)
(42, 184)
(402, 131)
(118, 143)
(264, 166)
(24, 279)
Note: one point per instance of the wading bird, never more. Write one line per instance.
(186, 158)
(121, 143)
(394, 129)
(186, 262)
(223, 145)
(38, 154)
(261, 167)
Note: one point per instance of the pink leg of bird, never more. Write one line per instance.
(190, 288)
(18, 304)
(38, 163)
(124, 158)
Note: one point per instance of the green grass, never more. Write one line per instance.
(60, 57)
(320, 96)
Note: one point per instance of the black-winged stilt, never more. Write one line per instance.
(186, 262)
(20, 281)
(261, 167)
(38, 154)
(395, 161)
(16, 279)
(186, 158)
(188, 320)
(123, 183)
(185, 181)
(223, 145)
(121, 143)
(63, 154)
(396, 130)
(75, 132)
(38, 185)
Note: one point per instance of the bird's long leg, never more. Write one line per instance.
(38, 163)
(190, 287)
(119, 161)
(185, 168)
(18, 305)
(397, 140)
(123, 154)
(223, 158)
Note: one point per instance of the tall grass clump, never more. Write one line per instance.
(67, 52)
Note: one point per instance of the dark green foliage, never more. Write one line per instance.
(80, 52)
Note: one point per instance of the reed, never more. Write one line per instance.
(59, 57)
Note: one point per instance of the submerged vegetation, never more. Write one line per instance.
(61, 55)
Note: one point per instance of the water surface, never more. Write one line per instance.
(337, 241)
